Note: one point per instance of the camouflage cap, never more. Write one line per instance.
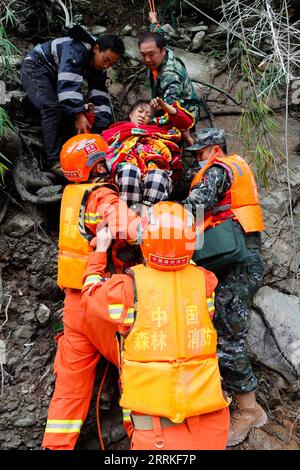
(208, 136)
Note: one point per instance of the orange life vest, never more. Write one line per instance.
(241, 201)
(74, 241)
(169, 365)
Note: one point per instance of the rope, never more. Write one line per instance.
(98, 406)
(151, 6)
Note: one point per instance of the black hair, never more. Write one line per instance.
(138, 103)
(156, 37)
(107, 41)
(78, 33)
(112, 42)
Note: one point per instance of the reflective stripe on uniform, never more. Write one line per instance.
(211, 303)
(70, 95)
(92, 217)
(73, 77)
(92, 279)
(102, 109)
(87, 45)
(129, 320)
(115, 311)
(95, 92)
(63, 425)
(239, 169)
(126, 415)
(54, 45)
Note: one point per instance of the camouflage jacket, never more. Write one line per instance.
(173, 82)
(210, 190)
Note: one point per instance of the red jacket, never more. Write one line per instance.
(148, 146)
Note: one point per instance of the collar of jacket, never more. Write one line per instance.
(169, 56)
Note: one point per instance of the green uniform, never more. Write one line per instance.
(235, 291)
(173, 82)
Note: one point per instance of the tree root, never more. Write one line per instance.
(26, 196)
(27, 175)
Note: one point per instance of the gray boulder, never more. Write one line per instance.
(198, 41)
(282, 313)
(98, 29)
(127, 30)
(21, 223)
(169, 30)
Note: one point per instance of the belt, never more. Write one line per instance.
(144, 422)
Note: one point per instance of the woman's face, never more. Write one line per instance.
(102, 60)
(142, 114)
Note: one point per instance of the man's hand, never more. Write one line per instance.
(187, 137)
(104, 239)
(158, 103)
(81, 123)
(153, 17)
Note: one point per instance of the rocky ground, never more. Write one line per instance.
(31, 303)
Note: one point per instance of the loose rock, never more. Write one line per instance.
(197, 41)
(26, 422)
(43, 313)
(97, 29)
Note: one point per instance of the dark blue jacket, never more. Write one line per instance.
(70, 60)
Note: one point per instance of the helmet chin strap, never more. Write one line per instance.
(211, 153)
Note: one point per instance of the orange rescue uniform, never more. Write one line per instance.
(169, 368)
(241, 201)
(80, 347)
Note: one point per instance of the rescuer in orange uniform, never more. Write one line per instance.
(225, 188)
(170, 379)
(83, 207)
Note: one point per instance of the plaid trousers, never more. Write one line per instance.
(154, 187)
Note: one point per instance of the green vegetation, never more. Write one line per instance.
(258, 126)
(5, 125)
(268, 60)
(7, 49)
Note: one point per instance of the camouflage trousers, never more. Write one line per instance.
(234, 295)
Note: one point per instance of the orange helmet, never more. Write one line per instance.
(167, 234)
(80, 154)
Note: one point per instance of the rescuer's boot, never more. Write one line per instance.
(247, 416)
